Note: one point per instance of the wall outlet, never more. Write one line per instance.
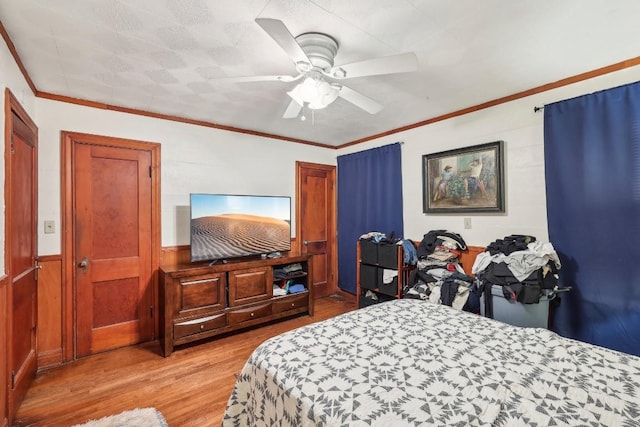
(467, 223)
(49, 227)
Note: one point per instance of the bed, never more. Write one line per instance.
(412, 363)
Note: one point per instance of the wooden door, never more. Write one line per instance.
(316, 222)
(21, 214)
(113, 246)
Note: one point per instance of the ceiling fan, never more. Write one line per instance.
(313, 55)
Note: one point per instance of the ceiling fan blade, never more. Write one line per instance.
(359, 100)
(292, 110)
(279, 32)
(284, 79)
(402, 63)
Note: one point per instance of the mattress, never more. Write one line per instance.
(413, 363)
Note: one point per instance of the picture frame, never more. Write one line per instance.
(469, 179)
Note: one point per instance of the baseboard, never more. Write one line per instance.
(49, 359)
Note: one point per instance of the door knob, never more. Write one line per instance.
(84, 264)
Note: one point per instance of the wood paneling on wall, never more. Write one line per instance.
(4, 378)
(174, 255)
(50, 310)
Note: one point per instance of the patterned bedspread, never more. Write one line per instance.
(411, 363)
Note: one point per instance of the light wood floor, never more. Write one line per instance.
(190, 388)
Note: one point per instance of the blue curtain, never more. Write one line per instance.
(592, 171)
(369, 199)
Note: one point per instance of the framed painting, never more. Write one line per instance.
(469, 179)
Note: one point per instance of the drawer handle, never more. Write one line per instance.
(293, 304)
(201, 326)
(252, 314)
(197, 282)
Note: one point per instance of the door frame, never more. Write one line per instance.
(67, 158)
(332, 279)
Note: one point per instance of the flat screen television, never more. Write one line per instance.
(227, 226)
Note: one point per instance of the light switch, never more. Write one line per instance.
(49, 227)
(467, 223)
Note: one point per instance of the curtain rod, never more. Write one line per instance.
(536, 109)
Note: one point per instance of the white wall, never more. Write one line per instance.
(10, 77)
(522, 131)
(193, 159)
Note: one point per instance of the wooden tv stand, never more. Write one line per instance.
(201, 300)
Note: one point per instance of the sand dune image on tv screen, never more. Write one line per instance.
(235, 235)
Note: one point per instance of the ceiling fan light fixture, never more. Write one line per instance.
(315, 93)
(327, 93)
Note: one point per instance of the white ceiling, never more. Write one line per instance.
(163, 56)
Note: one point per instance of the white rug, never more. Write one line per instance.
(144, 417)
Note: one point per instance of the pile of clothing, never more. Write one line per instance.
(283, 287)
(439, 277)
(525, 268)
(409, 250)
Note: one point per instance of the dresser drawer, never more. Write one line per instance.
(240, 315)
(206, 291)
(201, 324)
(291, 302)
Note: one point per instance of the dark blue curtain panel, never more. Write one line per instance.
(369, 199)
(592, 173)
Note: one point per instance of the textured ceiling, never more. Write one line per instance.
(164, 56)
